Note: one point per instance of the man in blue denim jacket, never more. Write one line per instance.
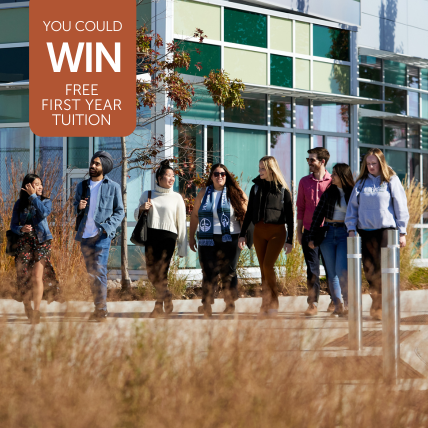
(102, 210)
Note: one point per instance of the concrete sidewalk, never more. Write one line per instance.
(318, 337)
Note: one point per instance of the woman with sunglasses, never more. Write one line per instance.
(218, 211)
(270, 208)
(331, 210)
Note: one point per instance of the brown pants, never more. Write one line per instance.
(269, 239)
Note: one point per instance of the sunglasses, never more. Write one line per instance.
(311, 160)
(219, 174)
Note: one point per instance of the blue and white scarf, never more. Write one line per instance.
(206, 218)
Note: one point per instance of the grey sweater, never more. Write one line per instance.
(376, 206)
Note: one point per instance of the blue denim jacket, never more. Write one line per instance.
(40, 211)
(109, 212)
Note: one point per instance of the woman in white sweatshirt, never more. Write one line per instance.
(166, 226)
(378, 203)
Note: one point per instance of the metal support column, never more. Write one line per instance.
(390, 263)
(355, 319)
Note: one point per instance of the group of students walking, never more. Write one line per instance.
(329, 209)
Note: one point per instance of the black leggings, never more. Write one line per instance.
(159, 251)
(221, 259)
(371, 243)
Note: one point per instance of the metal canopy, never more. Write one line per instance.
(319, 96)
(363, 112)
(410, 60)
(23, 84)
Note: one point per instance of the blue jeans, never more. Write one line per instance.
(95, 253)
(334, 250)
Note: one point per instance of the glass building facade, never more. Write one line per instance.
(308, 81)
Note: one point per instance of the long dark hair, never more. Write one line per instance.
(23, 195)
(234, 193)
(343, 171)
(163, 167)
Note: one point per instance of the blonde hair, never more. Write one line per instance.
(386, 172)
(271, 165)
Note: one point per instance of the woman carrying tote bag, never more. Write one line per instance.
(166, 226)
(378, 203)
(331, 210)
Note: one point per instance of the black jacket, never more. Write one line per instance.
(277, 207)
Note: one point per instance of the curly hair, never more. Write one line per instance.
(234, 193)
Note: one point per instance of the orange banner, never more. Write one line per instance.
(82, 68)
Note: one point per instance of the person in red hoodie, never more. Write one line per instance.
(309, 194)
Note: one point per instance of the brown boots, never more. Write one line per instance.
(376, 309)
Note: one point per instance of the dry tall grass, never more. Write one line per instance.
(71, 376)
(66, 256)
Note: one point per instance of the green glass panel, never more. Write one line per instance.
(398, 162)
(370, 68)
(243, 148)
(245, 28)
(203, 107)
(371, 91)
(424, 103)
(370, 131)
(395, 72)
(331, 43)
(189, 149)
(424, 138)
(14, 25)
(398, 98)
(253, 114)
(209, 57)
(14, 107)
(78, 152)
(395, 134)
(280, 111)
(189, 15)
(424, 79)
(14, 64)
(144, 14)
(213, 145)
(302, 146)
(424, 242)
(281, 71)
(363, 152)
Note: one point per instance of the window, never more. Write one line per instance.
(395, 72)
(397, 162)
(424, 139)
(248, 66)
(398, 98)
(331, 117)
(331, 78)
(14, 147)
(413, 76)
(414, 167)
(302, 113)
(203, 107)
(190, 15)
(331, 43)
(14, 25)
(243, 148)
(209, 57)
(281, 71)
(424, 105)
(14, 64)
(281, 34)
(338, 148)
(413, 104)
(395, 134)
(370, 68)
(113, 146)
(368, 90)
(78, 152)
(280, 147)
(317, 141)
(424, 79)
(302, 147)
(14, 106)
(414, 137)
(370, 131)
(213, 145)
(245, 28)
(253, 114)
(280, 111)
